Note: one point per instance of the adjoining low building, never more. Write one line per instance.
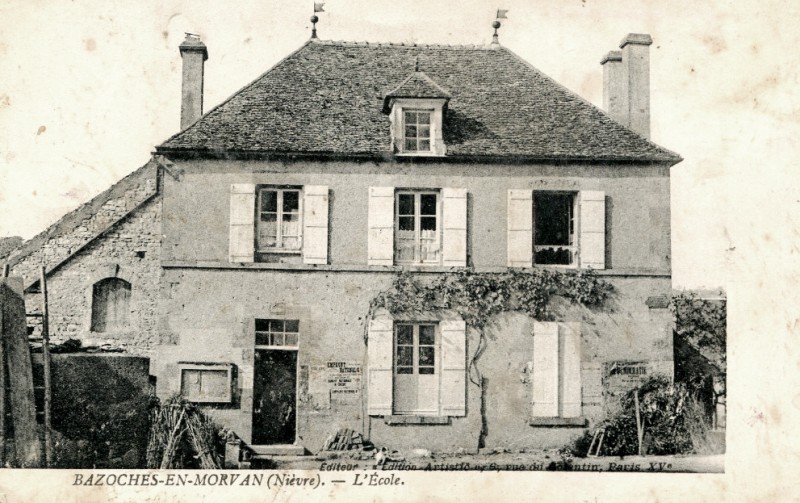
(243, 258)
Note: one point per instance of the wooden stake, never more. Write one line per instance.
(2, 392)
(48, 440)
(5, 270)
(639, 432)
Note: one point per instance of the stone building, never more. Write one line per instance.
(243, 258)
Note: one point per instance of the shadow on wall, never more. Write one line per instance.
(100, 409)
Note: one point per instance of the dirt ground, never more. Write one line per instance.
(501, 461)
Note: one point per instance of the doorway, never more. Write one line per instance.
(275, 397)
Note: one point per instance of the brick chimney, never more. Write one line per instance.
(194, 54)
(626, 83)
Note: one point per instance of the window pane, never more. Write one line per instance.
(427, 223)
(262, 325)
(291, 339)
(405, 204)
(426, 334)
(411, 131)
(267, 230)
(263, 339)
(427, 203)
(405, 355)
(291, 200)
(424, 132)
(406, 223)
(411, 117)
(426, 370)
(411, 145)
(269, 200)
(426, 355)
(276, 325)
(423, 118)
(405, 334)
(292, 326)
(424, 145)
(552, 218)
(405, 246)
(405, 370)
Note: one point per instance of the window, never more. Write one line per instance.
(277, 334)
(416, 368)
(417, 222)
(279, 227)
(417, 130)
(206, 382)
(110, 305)
(416, 381)
(554, 228)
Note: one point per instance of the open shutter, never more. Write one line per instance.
(545, 369)
(454, 235)
(593, 229)
(315, 224)
(380, 349)
(570, 336)
(520, 228)
(241, 244)
(454, 367)
(381, 226)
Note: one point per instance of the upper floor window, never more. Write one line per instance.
(417, 222)
(554, 228)
(417, 130)
(110, 305)
(279, 222)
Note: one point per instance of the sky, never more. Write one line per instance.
(88, 88)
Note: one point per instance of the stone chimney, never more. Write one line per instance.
(626, 83)
(194, 54)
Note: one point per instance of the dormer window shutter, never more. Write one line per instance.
(520, 228)
(592, 222)
(380, 221)
(241, 239)
(454, 233)
(315, 224)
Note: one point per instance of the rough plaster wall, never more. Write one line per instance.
(113, 254)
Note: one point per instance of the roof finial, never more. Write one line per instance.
(501, 14)
(317, 8)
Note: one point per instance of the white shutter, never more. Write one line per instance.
(315, 224)
(570, 336)
(381, 226)
(380, 349)
(454, 235)
(592, 222)
(241, 244)
(545, 369)
(520, 228)
(454, 367)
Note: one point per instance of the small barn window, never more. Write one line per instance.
(110, 304)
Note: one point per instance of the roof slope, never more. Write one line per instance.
(327, 97)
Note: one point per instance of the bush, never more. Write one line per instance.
(672, 422)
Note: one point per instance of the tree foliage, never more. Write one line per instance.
(701, 323)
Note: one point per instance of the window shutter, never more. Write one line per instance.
(380, 349)
(593, 229)
(454, 235)
(520, 228)
(454, 367)
(545, 369)
(242, 222)
(315, 224)
(381, 226)
(570, 336)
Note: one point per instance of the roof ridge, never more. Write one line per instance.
(352, 43)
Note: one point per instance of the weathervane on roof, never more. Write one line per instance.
(501, 14)
(317, 8)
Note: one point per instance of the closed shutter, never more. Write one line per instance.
(315, 224)
(520, 228)
(570, 336)
(454, 367)
(242, 223)
(454, 235)
(545, 369)
(380, 348)
(592, 223)
(381, 226)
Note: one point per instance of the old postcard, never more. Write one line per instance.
(407, 251)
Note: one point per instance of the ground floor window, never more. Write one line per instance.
(416, 380)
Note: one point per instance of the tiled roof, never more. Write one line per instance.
(327, 98)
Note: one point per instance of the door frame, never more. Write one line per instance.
(296, 349)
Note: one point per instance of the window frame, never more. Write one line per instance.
(226, 397)
(279, 213)
(280, 347)
(417, 124)
(120, 323)
(574, 234)
(417, 215)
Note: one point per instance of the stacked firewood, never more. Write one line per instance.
(346, 440)
(181, 436)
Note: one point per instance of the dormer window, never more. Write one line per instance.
(416, 108)
(417, 130)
